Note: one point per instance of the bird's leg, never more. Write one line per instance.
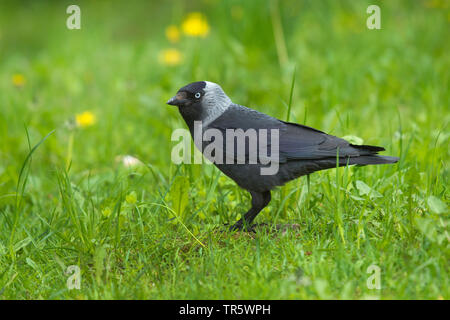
(259, 201)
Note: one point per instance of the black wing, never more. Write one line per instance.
(296, 142)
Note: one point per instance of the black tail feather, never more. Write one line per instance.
(373, 149)
(375, 159)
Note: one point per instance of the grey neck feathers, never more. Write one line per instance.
(214, 102)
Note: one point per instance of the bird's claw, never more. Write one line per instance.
(239, 226)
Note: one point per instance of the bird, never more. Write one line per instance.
(300, 150)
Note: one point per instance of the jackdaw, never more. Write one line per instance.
(295, 149)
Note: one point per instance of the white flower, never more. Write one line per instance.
(129, 161)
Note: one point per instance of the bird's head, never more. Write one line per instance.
(201, 100)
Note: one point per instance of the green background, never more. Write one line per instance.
(388, 87)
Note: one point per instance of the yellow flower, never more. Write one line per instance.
(85, 119)
(106, 212)
(18, 80)
(195, 25)
(170, 57)
(172, 33)
(131, 198)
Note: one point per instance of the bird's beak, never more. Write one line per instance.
(178, 99)
(172, 101)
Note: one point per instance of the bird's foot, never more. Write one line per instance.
(241, 226)
(283, 228)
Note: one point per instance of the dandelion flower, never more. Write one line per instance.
(172, 33)
(18, 80)
(195, 25)
(170, 57)
(85, 119)
(106, 212)
(131, 198)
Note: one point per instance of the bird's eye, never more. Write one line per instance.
(198, 95)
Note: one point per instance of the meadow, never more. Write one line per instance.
(86, 177)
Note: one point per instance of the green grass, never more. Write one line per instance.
(154, 231)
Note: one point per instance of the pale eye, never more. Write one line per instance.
(197, 95)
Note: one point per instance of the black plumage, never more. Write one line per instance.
(302, 150)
